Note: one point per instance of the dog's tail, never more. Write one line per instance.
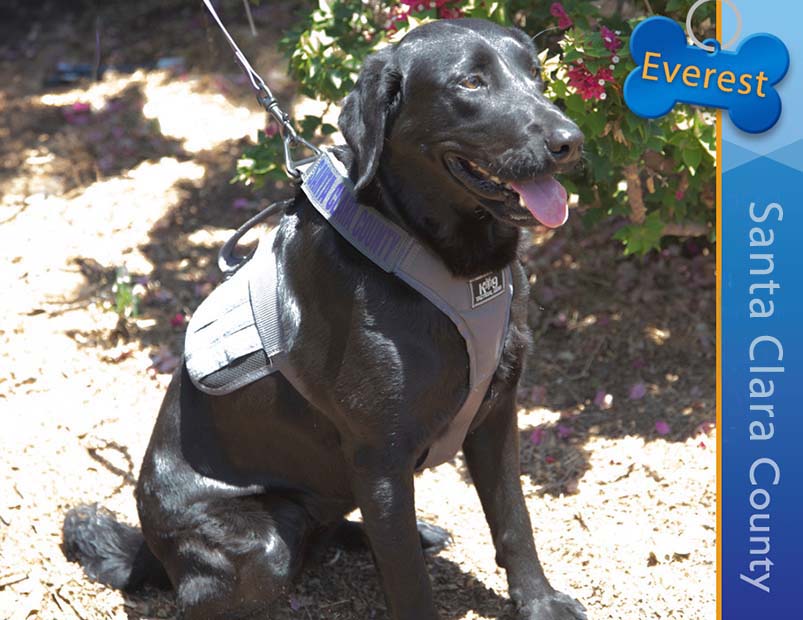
(111, 552)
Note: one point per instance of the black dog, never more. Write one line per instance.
(234, 490)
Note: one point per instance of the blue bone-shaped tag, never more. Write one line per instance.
(671, 71)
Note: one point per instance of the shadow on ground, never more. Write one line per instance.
(325, 592)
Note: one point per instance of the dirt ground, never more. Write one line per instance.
(132, 172)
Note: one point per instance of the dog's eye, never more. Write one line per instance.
(472, 82)
(535, 71)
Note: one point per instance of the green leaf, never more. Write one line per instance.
(596, 122)
(309, 124)
(675, 5)
(692, 156)
(640, 239)
(575, 105)
(593, 216)
(558, 88)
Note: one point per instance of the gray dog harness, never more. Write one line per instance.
(235, 338)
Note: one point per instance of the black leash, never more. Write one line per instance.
(265, 97)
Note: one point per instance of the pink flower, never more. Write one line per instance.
(589, 85)
(602, 399)
(164, 361)
(410, 6)
(637, 391)
(706, 427)
(549, 459)
(610, 40)
(557, 10)
(564, 432)
(604, 74)
(178, 320)
(537, 437)
(680, 194)
(446, 13)
(77, 114)
(423, 5)
(662, 428)
(271, 129)
(397, 14)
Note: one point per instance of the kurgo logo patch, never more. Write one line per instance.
(485, 288)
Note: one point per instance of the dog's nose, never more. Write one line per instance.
(565, 144)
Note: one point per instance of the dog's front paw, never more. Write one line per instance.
(555, 606)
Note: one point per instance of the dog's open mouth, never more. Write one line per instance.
(543, 196)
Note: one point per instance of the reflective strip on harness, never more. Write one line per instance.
(235, 338)
(329, 189)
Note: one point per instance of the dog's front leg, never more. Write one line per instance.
(384, 494)
(492, 454)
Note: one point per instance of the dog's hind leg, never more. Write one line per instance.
(351, 536)
(229, 559)
(110, 552)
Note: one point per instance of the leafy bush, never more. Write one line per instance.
(659, 174)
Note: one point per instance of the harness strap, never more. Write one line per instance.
(262, 290)
(227, 261)
(331, 192)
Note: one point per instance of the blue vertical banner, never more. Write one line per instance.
(761, 342)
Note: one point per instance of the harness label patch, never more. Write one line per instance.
(487, 287)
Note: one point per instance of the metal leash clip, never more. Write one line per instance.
(265, 97)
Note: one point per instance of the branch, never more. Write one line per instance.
(635, 194)
(657, 162)
(686, 229)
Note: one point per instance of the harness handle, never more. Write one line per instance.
(227, 261)
(266, 99)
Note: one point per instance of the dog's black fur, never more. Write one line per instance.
(235, 490)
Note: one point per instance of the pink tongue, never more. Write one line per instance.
(546, 199)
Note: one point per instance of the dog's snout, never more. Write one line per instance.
(565, 144)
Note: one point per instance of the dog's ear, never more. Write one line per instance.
(363, 119)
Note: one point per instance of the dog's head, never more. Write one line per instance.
(461, 103)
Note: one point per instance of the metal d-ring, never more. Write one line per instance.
(700, 44)
(291, 164)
